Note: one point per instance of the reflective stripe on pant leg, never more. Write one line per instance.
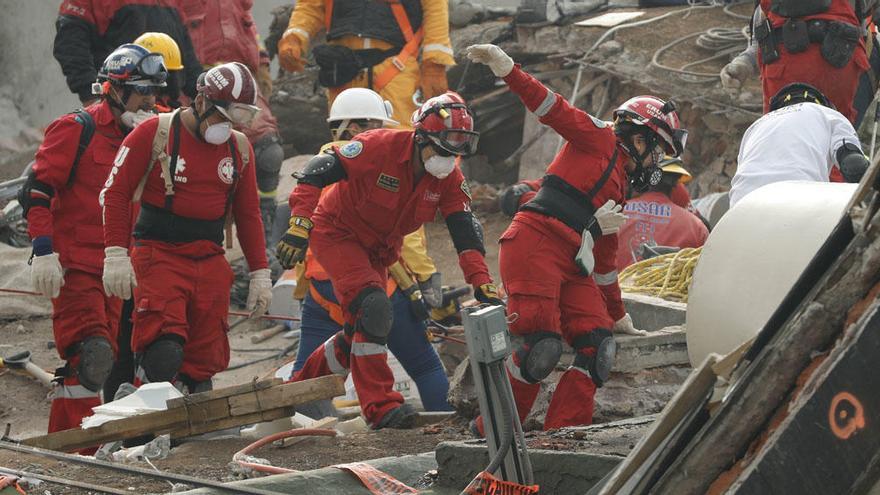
(368, 349)
(71, 402)
(573, 400)
(330, 356)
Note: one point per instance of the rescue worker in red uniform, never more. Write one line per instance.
(654, 219)
(60, 201)
(88, 30)
(819, 42)
(226, 32)
(388, 184)
(190, 172)
(557, 257)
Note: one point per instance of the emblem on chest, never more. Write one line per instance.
(388, 182)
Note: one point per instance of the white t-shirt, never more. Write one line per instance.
(798, 142)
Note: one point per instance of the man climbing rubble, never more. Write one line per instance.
(226, 32)
(802, 138)
(656, 220)
(557, 257)
(177, 267)
(394, 48)
(388, 183)
(60, 201)
(354, 111)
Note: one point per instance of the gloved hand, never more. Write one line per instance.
(264, 80)
(118, 273)
(433, 79)
(290, 52)
(417, 303)
(625, 326)
(584, 258)
(432, 290)
(488, 294)
(291, 249)
(609, 217)
(47, 275)
(259, 293)
(509, 199)
(734, 74)
(499, 62)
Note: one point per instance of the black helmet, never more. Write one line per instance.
(798, 93)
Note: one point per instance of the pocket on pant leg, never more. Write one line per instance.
(535, 304)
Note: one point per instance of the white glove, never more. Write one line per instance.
(609, 217)
(584, 257)
(499, 62)
(259, 293)
(734, 74)
(118, 272)
(625, 326)
(47, 275)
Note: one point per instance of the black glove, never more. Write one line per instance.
(509, 199)
(416, 303)
(488, 294)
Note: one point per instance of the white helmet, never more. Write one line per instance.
(361, 104)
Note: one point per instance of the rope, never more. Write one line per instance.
(667, 277)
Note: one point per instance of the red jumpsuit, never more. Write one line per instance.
(654, 219)
(537, 255)
(183, 287)
(74, 224)
(358, 233)
(839, 85)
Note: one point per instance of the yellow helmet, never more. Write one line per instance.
(164, 45)
(675, 166)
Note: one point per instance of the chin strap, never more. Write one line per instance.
(201, 118)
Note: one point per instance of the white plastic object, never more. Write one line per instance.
(753, 257)
(361, 103)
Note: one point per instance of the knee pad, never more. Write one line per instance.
(374, 314)
(95, 362)
(538, 355)
(598, 365)
(162, 359)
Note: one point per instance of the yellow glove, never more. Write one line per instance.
(264, 80)
(291, 249)
(433, 79)
(290, 52)
(488, 294)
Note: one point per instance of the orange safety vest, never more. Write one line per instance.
(410, 49)
(334, 309)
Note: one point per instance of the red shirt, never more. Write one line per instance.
(589, 146)
(379, 202)
(655, 220)
(201, 185)
(74, 219)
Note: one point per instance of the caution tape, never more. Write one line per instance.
(667, 277)
(486, 484)
(376, 481)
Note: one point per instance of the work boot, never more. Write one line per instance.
(401, 418)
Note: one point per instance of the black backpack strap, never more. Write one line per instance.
(84, 119)
(602, 180)
(236, 173)
(175, 153)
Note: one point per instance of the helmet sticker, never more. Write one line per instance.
(351, 149)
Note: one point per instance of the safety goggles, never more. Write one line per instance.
(152, 66)
(237, 113)
(455, 141)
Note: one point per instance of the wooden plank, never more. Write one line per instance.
(692, 392)
(325, 387)
(202, 417)
(725, 366)
(224, 392)
(233, 421)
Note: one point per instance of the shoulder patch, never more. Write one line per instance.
(465, 188)
(601, 124)
(351, 149)
(388, 182)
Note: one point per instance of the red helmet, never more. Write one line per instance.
(446, 122)
(657, 115)
(232, 89)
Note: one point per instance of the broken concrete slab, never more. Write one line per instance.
(652, 313)
(331, 481)
(664, 347)
(555, 472)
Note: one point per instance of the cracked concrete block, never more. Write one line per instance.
(652, 313)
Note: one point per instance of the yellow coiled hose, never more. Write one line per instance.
(666, 277)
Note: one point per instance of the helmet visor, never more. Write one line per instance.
(457, 142)
(237, 113)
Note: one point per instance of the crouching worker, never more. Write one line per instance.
(60, 201)
(557, 257)
(191, 174)
(388, 183)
